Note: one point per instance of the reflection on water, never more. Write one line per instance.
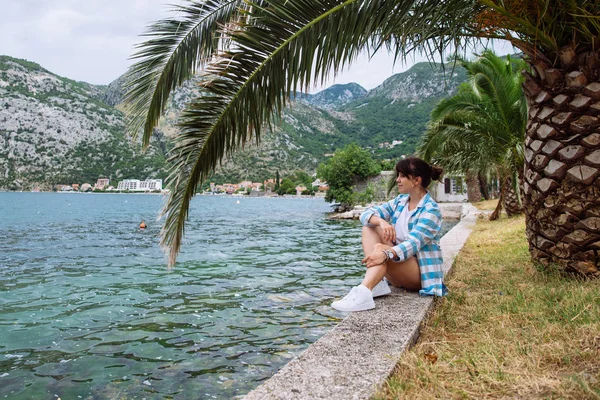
(89, 310)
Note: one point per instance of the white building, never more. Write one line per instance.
(151, 185)
(453, 189)
(135, 185)
(128, 184)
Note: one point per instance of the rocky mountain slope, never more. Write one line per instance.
(336, 96)
(55, 130)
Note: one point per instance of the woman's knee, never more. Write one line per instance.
(380, 247)
(366, 230)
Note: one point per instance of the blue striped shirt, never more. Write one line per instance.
(424, 225)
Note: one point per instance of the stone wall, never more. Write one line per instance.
(379, 184)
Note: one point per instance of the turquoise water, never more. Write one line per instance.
(89, 309)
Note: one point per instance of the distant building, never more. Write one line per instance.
(300, 189)
(135, 185)
(75, 187)
(151, 184)
(128, 184)
(269, 185)
(245, 184)
(321, 186)
(86, 187)
(453, 189)
(230, 188)
(101, 183)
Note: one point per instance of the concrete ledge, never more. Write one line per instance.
(355, 358)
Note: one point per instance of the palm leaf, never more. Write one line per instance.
(278, 49)
(542, 28)
(177, 48)
(482, 127)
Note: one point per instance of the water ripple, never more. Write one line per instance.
(89, 309)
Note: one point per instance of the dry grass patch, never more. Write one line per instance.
(507, 329)
(486, 205)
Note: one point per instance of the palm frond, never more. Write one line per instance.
(432, 28)
(476, 129)
(543, 27)
(281, 46)
(177, 48)
(499, 81)
(391, 184)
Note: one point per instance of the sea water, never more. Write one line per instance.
(89, 310)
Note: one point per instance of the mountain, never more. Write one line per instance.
(56, 130)
(422, 81)
(53, 129)
(393, 116)
(337, 95)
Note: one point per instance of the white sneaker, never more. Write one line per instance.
(360, 298)
(381, 289)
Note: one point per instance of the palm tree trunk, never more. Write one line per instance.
(562, 160)
(521, 179)
(483, 186)
(496, 214)
(510, 200)
(473, 192)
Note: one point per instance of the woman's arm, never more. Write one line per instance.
(384, 211)
(379, 216)
(388, 231)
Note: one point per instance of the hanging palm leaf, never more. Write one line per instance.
(281, 45)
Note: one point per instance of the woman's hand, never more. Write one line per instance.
(389, 233)
(377, 258)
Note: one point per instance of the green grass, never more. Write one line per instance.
(507, 330)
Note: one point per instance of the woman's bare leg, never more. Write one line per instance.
(372, 241)
(405, 274)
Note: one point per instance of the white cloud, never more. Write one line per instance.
(60, 24)
(83, 40)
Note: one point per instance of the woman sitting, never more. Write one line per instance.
(400, 240)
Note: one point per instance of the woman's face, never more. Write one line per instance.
(406, 183)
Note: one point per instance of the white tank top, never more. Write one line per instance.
(402, 225)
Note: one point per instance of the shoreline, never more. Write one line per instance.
(238, 196)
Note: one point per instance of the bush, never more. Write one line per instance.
(286, 187)
(363, 198)
(341, 171)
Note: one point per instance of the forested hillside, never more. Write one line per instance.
(55, 130)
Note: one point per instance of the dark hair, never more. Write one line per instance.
(413, 166)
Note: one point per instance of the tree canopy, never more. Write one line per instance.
(344, 170)
(481, 129)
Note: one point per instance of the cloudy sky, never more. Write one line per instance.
(91, 40)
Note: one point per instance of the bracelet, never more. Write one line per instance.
(387, 258)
